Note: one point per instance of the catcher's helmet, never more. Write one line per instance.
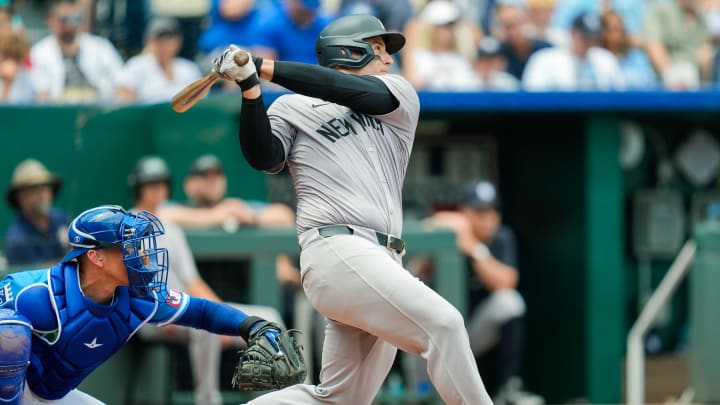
(111, 227)
(149, 169)
(347, 34)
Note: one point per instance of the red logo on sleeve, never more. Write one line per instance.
(173, 297)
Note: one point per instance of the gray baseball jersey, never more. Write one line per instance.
(348, 167)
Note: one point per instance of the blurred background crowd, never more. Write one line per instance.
(118, 51)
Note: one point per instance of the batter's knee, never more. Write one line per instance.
(15, 346)
(449, 320)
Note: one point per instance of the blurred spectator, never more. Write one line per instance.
(491, 66)
(495, 326)
(38, 233)
(288, 31)
(581, 66)
(513, 28)
(121, 22)
(208, 205)
(190, 15)
(231, 22)
(150, 186)
(678, 43)
(394, 14)
(71, 66)
(156, 75)
(712, 18)
(10, 22)
(539, 14)
(436, 55)
(635, 66)
(632, 12)
(16, 86)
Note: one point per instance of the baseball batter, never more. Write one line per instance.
(57, 325)
(346, 137)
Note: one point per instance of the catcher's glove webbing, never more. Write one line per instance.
(263, 367)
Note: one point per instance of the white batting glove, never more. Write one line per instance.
(228, 69)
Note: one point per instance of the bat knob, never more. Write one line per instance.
(241, 58)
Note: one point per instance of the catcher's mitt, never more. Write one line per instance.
(261, 367)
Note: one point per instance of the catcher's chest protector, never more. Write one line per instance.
(88, 334)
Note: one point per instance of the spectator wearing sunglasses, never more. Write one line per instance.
(71, 66)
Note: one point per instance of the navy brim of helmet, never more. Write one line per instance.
(394, 41)
(73, 254)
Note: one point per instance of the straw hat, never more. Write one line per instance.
(29, 173)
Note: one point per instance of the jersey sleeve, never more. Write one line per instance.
(408, 112)
(281, 128)
(171, 306)
(12, 284)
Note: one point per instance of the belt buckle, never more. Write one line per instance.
(388, 241)
(401, 244)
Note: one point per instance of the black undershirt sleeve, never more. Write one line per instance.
(261, 148)
(364, 94)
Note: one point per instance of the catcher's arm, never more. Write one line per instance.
(273, 358)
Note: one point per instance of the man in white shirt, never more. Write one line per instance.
(70, 66)
(581, 66)
(156, 75)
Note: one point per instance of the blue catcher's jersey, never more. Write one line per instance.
(72, 335)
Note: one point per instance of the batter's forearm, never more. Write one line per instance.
(364, 94)
(265, 67)
(261, 148)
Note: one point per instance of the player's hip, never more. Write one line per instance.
(355, 237)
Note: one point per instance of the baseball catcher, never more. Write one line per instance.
(272, 360)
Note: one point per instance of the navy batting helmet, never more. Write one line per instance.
(111, 227)
(342, 42)
(149, 169)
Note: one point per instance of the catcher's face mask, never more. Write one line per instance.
(147, 265)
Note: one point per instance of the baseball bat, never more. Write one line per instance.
(193, 92)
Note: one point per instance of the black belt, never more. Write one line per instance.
(390, 242)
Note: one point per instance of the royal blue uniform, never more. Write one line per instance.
(71, 334)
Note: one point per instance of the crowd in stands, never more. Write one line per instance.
(144, 51)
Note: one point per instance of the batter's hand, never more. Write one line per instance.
(228, 69)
